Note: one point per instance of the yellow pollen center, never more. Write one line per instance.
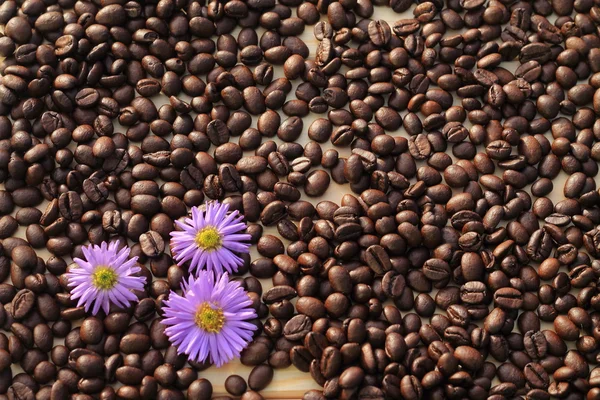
(104, 277)
(208, 238)
(210, 319)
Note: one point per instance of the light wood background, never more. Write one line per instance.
(290, 383)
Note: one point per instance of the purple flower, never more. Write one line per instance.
(211, 239)
(104, 277)
(209, 320)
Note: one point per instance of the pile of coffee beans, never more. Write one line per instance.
(432, 281)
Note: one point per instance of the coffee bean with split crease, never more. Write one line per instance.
(410, 387)
(297, 327)
(330, 362)
(117, 162)
(301, 164)
(535, 344)
(278, 163)
(393, 285)
(325, 52)
(160, 159)
(278, 293)
(352, 231)
(473, 292)
(380, 32)
(19, 391)
(539, 246)
(315, 342)
(377, 259)
(70, 206)
(95, 190)
(148, 87)
(22, 303)
(212, 187)
(286, 192)
(301, 358)
(152, 243)
(218, 132)
(273, 213)
(229, 178)
(419, 147)
(536, 376)
(405, 27)
(508, 298)
(192, 178)
(436, 270)
(539, 52)
(87, 97)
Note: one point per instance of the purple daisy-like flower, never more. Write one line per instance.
(211, 238)
(104, 277)
(209, 320)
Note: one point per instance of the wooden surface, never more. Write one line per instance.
(290, 383)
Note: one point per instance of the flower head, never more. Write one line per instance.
(210, 239)
(104, 277)
(209, 319)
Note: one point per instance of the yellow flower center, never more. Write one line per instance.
(210, 319)
(104, 277)
(208, 238)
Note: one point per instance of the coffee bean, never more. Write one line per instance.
(377, 259)
(297, 327)
(393, 285)
(24, 257)
(23, 303)
(89, 365)
(235, 385)
(469, 357)
(134, 343)
(260, 377)
(331, 362)
(351, 377)
(152, 243)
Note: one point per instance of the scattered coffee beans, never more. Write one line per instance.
(432, 281)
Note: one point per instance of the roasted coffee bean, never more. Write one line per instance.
(301, 358)
(152, 243)
(297, 327)
(22, 303)
(377, 259)
(260, 377)
(235, 384)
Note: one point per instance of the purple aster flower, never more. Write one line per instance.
(104, 277)
(211, 239)
(210, 319)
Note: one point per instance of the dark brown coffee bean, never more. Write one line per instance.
(235, 384)
(301, 358)
(377, 259)
(260, 377)
(297, 327)
(23, 303)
